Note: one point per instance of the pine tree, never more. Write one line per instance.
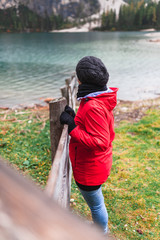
(158, 16)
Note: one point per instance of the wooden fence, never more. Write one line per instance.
(26, 213)
(59, 182)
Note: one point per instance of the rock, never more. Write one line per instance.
(4, 108)
(47, 100)
(155, 40)
(124, 109)
(139, 231)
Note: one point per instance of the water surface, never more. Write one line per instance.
(35, 65)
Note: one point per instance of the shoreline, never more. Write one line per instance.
(125, 110)
(89, 27)
(152, 33)
(154, 37)
(46, 101)
(133, 111)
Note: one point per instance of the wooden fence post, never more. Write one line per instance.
(68, 81)
(65, 93)
(71, 85)
(56, 107)
(59, 181)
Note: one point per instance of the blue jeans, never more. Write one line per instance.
(95, 201)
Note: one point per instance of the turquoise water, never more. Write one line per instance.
(35, 65)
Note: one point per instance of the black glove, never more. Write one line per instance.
(66, 118)
(70, 111)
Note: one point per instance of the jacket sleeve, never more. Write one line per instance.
(96, 134)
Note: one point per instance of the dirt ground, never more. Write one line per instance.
(133, 111)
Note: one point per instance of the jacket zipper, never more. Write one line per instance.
(75, 155)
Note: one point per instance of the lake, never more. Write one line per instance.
(34, 65)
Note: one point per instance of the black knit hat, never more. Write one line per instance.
(91, 70)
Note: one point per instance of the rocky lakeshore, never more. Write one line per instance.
(153, 37)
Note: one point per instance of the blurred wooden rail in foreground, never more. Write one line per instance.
(26, 213)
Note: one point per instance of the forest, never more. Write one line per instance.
(22, 19)
(135, 16)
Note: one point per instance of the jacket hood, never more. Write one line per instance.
(108, 99)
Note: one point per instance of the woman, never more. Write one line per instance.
(92, 133)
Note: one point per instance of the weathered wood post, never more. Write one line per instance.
(65, 93)
(56, 107)
(71, 85)
(59, 182)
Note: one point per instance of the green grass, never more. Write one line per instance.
(25, 142)
(132, 192)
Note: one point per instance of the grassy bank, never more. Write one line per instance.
(131, 192)
(25, 141)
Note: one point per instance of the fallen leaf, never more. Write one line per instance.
(139, 231)
(47, 100)
(3, 132)
(9, 120)
(149, 168)
(142, 217)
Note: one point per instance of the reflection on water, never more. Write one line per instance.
(34, 66)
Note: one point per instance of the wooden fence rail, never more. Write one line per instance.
(26, 213)
(59, 182)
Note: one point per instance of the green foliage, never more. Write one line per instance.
(137, 1)
(109, 20)
(25, 142)
(135, 16)
(23, 19)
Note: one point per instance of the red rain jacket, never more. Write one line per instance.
(90, 146)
